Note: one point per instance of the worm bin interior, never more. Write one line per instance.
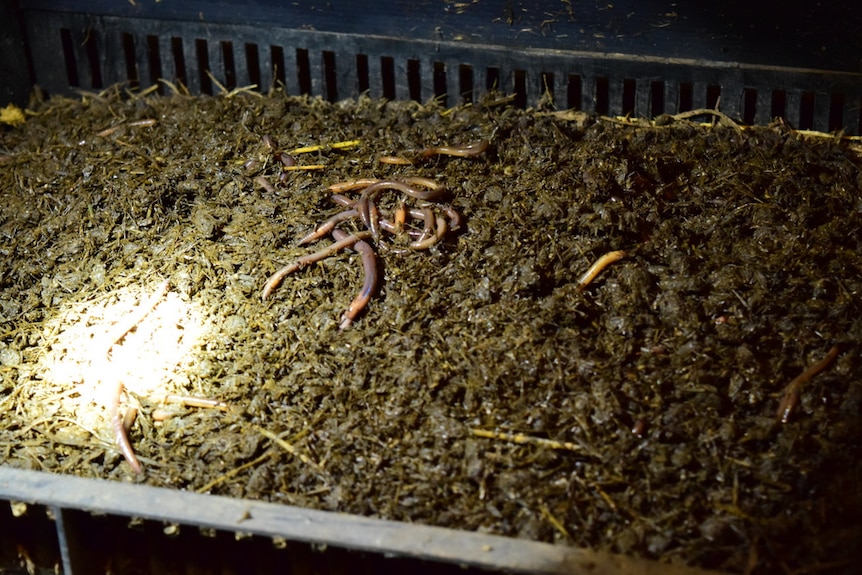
(613, 276)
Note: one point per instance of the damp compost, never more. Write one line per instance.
(696, 400)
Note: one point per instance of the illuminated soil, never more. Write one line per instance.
(657, 384)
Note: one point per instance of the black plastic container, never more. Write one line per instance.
(753, 60)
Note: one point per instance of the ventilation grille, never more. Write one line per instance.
(99, 51)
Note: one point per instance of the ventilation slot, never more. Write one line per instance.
(629, 97)
(440, 89)
(179, 61)
(387, 77)
(330, 85)
(465, 83)
(602, 96)
(229, 81)
(574, 93)
(154, 64)
(362, 80)
(520, 88)
(414, 80)
(546, 87)
(252, 66)
(656, 98)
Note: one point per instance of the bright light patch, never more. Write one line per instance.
(151, 360)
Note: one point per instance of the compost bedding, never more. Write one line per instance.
(483, 388)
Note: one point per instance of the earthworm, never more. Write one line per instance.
(374, 220)
(286, 159)
(129, 418)
(399, 218)
(463, 151)
(430, 194)
(117, 424)
(390, 227)
(276, 278)
(269, 141)
(194, 401)
(328, 225)
(369, 264)
(136, 124)
(342, 200)
(454, 218)
(371, 187)
(426, 243)
(350, 185)
(145, 123)
(121, 438)
(363, 209)
(597, 267)
(374, 223)
(428, 218)
(262, 182)
(790, 397)
(394, 160)
(425, 238)
(424, 182)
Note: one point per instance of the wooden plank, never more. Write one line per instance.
(320, 527)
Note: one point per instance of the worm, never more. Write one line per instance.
(145, 123)
(371, 187)
(394, 160)
(374, 220)
(364, 210)
(369, 264)
(790, 397)
(399, 218)
(121, 438)
(428, 230)
(431, 194)
(287, 160)
(269, 141)
(328, 225)
(597, 267)
(350, 185)
(464, 151)
(424, 182)
(394, 227)
(454, 218)
(194, 401)
(264, 183)
(117, 423)
(426, 243)
(345, 242)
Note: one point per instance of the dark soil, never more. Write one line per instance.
(641, 410)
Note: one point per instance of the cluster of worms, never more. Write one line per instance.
(422, 225)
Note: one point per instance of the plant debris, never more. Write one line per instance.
(493, 383)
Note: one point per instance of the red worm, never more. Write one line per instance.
(434, 192)
(328, 225)
(790, 398)
(262, 182)
(598, 266)
(345, 242)
(464, 151)
(369, 264)
(119, 429)
(352, 185)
